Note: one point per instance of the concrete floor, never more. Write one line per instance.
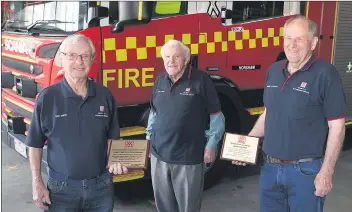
(232, 193)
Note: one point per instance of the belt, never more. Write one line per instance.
(270, 159)
(89, 181)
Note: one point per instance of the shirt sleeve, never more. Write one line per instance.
(36, 137)
(216, 130)
(114, 127)
(334, 101)
(151, 121)
(211, 96)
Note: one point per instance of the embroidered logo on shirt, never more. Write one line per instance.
(303, 85)
(101, 112)
(302, 88)
(62, 115)
(187, 92)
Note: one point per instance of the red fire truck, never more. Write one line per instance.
(234, 42)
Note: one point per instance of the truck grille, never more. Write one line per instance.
(22, 66)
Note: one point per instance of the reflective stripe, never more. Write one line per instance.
(130, 131)
(222, 42)
(129, 176)
(19, 104)
(256, 110)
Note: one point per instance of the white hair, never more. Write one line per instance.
(312, 26)
(176, 43)
(76, 38)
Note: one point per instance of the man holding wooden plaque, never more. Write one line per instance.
(183, 100)
(305, 110)
(77, 117)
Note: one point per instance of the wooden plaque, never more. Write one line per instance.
(134, 154)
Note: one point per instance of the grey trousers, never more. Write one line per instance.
(177, 188)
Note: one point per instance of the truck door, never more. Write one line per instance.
(255, 32)
(212, 47)
(131, 59)
(323, 14)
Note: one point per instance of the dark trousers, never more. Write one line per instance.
(289, 187)
(93, 195)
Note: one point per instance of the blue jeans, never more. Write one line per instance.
(81, 195)
(289, 187)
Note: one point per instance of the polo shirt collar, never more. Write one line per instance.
(186, 74)
(306, 66)
(68, 92)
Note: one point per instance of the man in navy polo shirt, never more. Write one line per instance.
(303, 125)
(77, 117)
(184, 100)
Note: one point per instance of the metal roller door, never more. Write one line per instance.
(343, 49)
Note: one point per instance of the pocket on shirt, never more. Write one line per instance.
(301, 105)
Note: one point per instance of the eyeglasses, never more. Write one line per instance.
(74, 56)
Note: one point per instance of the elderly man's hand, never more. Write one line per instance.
(40, 193)
(323, 183)
(117, 168)
(209, 155)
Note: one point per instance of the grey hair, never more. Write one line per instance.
(312, 26)
(175, 43)
(75, 38)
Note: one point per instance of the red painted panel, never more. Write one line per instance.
(258, 55)
(207, 27)
(314, 13)
(327, 30)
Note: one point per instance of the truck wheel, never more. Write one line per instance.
(144, 118)
(213, 171)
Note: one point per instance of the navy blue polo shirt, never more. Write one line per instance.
(298, 108)
(77, 129)
(182, 116)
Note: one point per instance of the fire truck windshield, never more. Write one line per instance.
(45, 16)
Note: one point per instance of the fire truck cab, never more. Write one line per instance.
(235, 42)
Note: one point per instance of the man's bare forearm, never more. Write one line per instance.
(35, 158)
(334, 145)
(258, 129)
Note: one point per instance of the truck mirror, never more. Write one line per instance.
(133, 13)
(226, 14)
(95, 14)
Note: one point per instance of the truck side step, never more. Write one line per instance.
(255, 111)
(132, 131)
(348, 121)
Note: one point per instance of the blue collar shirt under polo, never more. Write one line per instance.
(298, 108)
